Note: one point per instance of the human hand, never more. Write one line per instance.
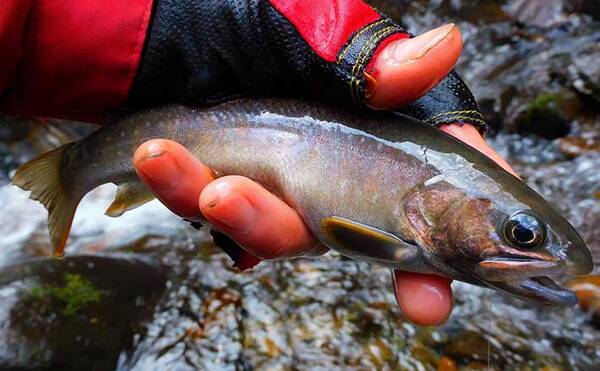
(268, 228)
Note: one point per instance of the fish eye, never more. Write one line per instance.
(524, 230)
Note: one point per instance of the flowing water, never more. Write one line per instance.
(147, 291)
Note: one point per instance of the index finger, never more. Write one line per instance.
(174, 175)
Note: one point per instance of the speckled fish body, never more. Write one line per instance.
(443, 205)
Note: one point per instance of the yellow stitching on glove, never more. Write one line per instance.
(454, 112)
(361, 59)
(456, 118)
(343, 53)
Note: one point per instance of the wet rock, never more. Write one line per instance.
(61, 314)
(22, 138)
(510, 63)
(572, 186)
(591, 7)
(541, 13)
(587, 289)
(543, 117)
(447, 364)
(467, 345)
(516, 72)
(573, 147)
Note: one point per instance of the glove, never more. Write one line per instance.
(203, 52)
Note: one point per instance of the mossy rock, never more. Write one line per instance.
(62, 314)
(544, 116)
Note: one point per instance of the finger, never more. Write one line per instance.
(255, 218)
(470, 135)
(173, 174)
(406, 69)
(426, 300)
(176, 178)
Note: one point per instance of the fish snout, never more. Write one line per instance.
(578, 259)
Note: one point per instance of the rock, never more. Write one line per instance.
(572, 186)
(513, 70)
(543, 117)
(541, 13)
(587, 289)
(447, 364)
(573, 147)
(591, 7)
(61, 314)
(467, 345)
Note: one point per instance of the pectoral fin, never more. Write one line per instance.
(129, 196)
(368, 243)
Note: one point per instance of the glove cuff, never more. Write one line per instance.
(450, 102)
(356, 54)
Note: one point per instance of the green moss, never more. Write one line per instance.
(541, 103)
(544, 116)
(75, 293)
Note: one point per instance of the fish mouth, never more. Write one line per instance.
(527, 279)
(542, 289)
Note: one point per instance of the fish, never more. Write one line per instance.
(375, 186)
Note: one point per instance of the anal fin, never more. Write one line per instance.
(129, 196)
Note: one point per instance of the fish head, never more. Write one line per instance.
(517, 245)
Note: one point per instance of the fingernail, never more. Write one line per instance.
(154, 150)
(237, 213)
(165, 173)
(408, 50)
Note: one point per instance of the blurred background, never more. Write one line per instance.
(147, 291)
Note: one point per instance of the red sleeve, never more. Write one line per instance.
(326, 25)
(74, 59)
(330, 27)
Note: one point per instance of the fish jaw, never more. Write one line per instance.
(528, 279)
(531, 275)
(540, 289)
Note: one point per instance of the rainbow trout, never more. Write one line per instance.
(373, 186)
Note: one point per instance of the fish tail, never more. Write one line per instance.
(42, 176)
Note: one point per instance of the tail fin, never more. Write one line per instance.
(42, 177)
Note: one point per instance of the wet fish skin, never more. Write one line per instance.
(445, 203)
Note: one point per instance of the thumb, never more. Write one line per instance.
(406, 69)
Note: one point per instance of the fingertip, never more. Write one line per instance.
(173, 174)
(148, 150)
(224, 203)
(425, 300)
(471, 136)
(408, 68)
(255, 218)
